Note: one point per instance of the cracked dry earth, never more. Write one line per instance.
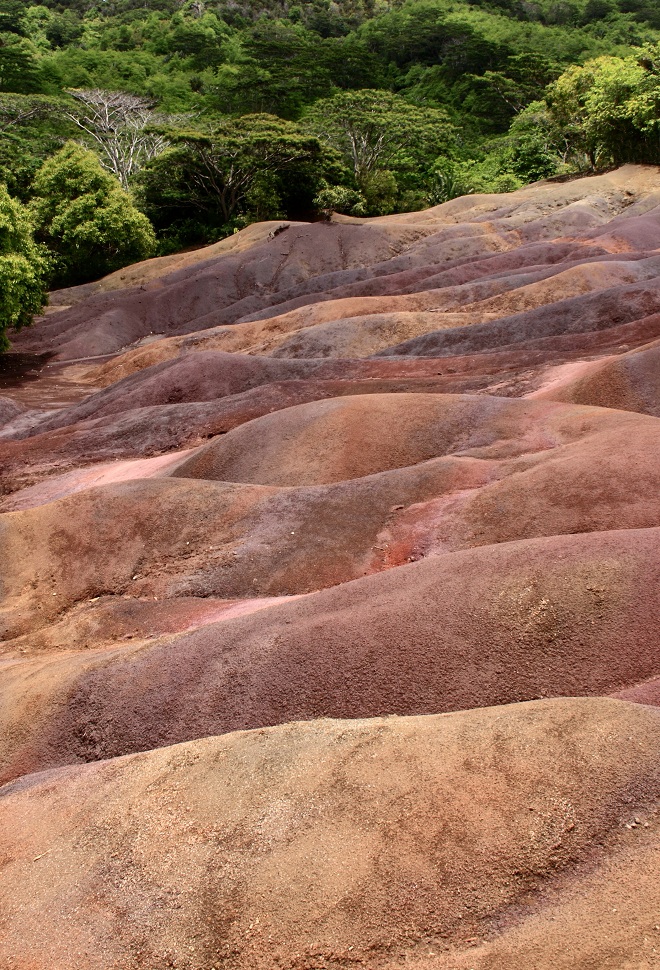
(330, 598)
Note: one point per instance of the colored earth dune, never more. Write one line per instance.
(330, 598)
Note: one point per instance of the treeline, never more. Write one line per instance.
(129, 127)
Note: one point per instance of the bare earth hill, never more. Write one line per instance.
(330, 598)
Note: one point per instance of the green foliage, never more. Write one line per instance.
(496, 97)
(608, 111)
(11, 17)
(19, 72)
(376, 130)
(81, 213)
(23, 268)
(381, 192)
(244, 169)
(341, 198)
(280, 67)
(32, 128)
(471, 177)
(391, 105)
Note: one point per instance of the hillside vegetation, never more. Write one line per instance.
(211, 115)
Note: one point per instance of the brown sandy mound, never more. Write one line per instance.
(565, 283)
(574, 315)
(515, 370)
(211, 375)
(192, 377)
(630, 381)
(139, 358)
(8, 410)
(324, 259)
(365, 336)
(606, 480)
(410, 507)
(253, 337)
(78, 437)
(360, 326)
(565, 615)
(105, 540)
(170, 537)
(605, 916)
(283, 448)
(140, 429)
(142, 432)
(331, 844)
(199, 295)
(154, 269)
(59, 486)
(270, 526)
(267, 334)
(105, 621)
(162, 428)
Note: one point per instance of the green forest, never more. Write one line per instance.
(137, 127)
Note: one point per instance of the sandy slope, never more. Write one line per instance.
(403, 472)
(566, 615)
(342, 844)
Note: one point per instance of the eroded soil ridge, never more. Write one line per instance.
(330, 598)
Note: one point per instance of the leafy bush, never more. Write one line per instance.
(607, 112)
(341, 198)
(454, 179)
(23, 268)
(85, 218)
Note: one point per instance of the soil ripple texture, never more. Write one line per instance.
(329, 599)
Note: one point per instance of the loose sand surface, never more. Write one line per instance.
(330, 598)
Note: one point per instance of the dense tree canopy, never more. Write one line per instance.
(212, 113)
(608, 110)
(378, 130)
(256, 166)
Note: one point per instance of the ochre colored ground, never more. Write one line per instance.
(330, 598)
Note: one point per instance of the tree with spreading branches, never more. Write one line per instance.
(249, 167)
(377, 130)
(125, 129)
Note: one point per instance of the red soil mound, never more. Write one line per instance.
(646, 692)
(324, 259)
(162, 428)
(173, 537)
(30, 449)
(575, 315)
(506, 470)
(59, 486)
(210, 376)
(160, 266)
(283, 448)
(195, 297)
(456, 290)
(8, 410)
(630, 381)
(546, 473)
(361, 336)
(565, 615)
(343, 844)
(377, 392)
